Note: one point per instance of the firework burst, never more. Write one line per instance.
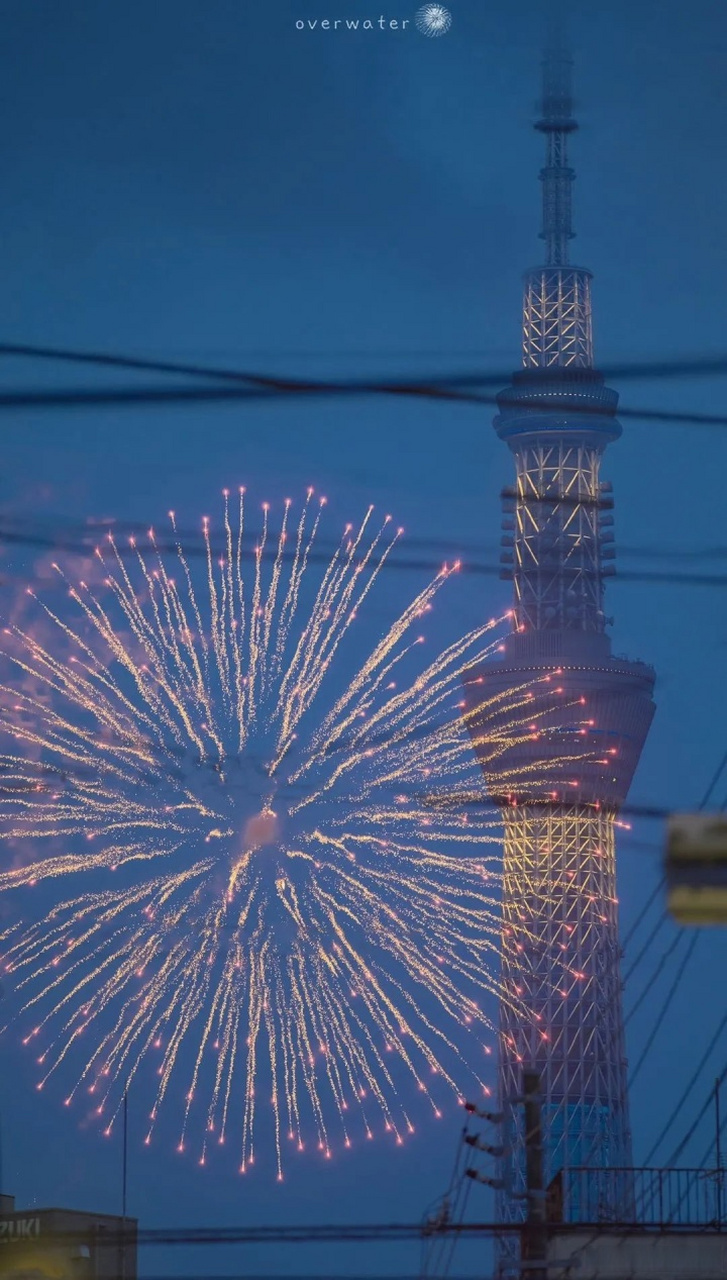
(256, 871)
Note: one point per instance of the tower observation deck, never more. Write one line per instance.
(561, 1009)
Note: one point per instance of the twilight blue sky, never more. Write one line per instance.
(205, 181)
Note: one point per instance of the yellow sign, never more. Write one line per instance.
(696, 868)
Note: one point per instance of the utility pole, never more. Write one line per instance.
(2, 993)
(718, 1152)
(535, 1234)
(123, 1186)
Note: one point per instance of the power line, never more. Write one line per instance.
(357, 1233)
(124, 397)
(688, 1089)
(233, 385)
(683, 366)
(713, 783)
(658, 812)
(664, 1008)
(406, 564)
(675, 985)
(644, 911)
(451, 1210)
(691, 1131)
(661, 921)
(650, 982)
(84, 534)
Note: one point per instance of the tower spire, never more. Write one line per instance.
(561, 789)
(557, 122)
(557, 325)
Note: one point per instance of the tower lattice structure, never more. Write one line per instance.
(562, 784)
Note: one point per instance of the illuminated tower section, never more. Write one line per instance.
(561, 1009)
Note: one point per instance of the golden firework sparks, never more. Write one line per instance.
(257, 870)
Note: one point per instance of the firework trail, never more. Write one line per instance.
(258, 873)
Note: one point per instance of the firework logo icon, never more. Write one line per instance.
(433, 19)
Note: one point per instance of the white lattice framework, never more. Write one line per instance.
(557, 318)
(558, 557)
(561, 1011)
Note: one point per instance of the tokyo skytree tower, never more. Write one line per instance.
(561, 1009)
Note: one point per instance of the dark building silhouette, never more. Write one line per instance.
(65, 1244)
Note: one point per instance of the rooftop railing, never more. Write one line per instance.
(656, 1198)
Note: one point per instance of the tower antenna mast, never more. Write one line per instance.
(561, 789)
(557, 122)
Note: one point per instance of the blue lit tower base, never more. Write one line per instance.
(561, 1010)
